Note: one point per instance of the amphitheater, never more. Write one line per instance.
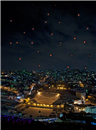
(46, 97)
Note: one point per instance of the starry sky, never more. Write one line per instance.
(38, 35)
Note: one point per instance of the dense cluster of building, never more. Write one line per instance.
(72, 90)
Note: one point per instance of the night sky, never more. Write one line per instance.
(48, 35)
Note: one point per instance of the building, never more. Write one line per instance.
(81, 95)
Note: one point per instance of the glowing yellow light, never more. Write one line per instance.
(28, 103)
(37, 104)
(34, 104)
(62, 105)
(38, 92)
(51, 105)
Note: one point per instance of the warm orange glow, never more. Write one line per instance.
(67, 66)
(32, 28)
(71, 54)
(74, 37)
(47, 13)
(19, 81)
(50, 54)
(62, 105)
(16, 42)
(10, 42)
(37, 51)
(45, 21)
(59, 22)
(51, 33)
(10, 20)
(39, 65)
(51, 105)
(19, 58)
(78, 14)
(60, 42)
(85, 67)
(23, 32)
(87, 28)
(34, 104)
(84, 41)
(31, 42)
